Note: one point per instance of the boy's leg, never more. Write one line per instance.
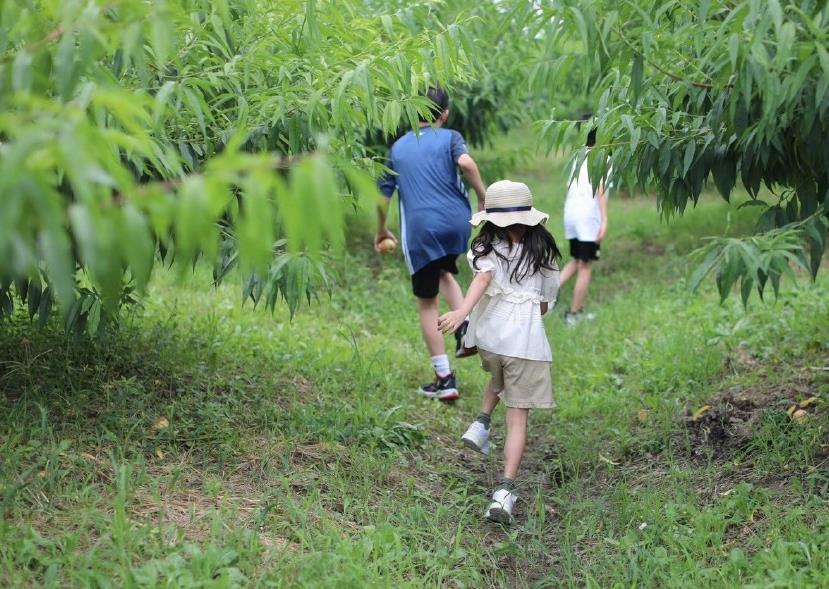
(426, 287)
(516, 441)
(451, 290)
(452, 293)
(428, 311)
(582, 282)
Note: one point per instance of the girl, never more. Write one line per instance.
(514, 259)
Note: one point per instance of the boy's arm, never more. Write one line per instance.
(382, 231)
(450, 321)
(387, 186)
(602, 196)
(473, 176)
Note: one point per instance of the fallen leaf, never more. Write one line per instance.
(643, 525)
(700, 412)
(799, 416)
(161, 423)
(160, 453)
(608, 460)
(808, 402)
(791, 410)
(643, 415)
(42, 474)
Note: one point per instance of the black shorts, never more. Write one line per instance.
(426, 281)
(586, 251)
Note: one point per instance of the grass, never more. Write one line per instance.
(210, 444)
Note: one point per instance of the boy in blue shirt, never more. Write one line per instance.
(434, 225)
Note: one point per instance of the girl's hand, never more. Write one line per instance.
(602, 231)
(450, 322)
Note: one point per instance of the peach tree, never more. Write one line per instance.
(231, 131)
(694, 93)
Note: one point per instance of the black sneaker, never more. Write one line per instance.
(461, 351)
(443, 389)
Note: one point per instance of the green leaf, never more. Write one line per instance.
(776, 13)
(724, 172)
(688, 159)
(44, 309)
(93, 321)
(727, 274)
(636, 73)
(746, 285)
(704, 268)
(139, 247)
(22, 71)
(823, 56)
(60, 267)
(34, 296)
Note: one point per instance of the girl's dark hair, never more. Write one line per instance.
(540, 249)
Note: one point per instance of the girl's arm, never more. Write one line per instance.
(602, 196)
(450, 321)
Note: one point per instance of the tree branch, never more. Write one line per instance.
(659, 68)
(53, 35)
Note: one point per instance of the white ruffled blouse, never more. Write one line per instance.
(507, 320)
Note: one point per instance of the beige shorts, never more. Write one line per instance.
(520, 383)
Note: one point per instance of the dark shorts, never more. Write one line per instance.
(586, 251)
(426, 281)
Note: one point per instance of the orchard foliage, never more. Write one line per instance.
(228, 130)
(236, 131)
(691, 93)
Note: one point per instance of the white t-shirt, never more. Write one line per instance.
(582, 214)
(507, 319)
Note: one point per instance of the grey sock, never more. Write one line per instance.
(506, 484)
(483, 418)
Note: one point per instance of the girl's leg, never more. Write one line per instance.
(451, 290)
(567, 272)
(490, 400)
(516, 441)
(582, 282)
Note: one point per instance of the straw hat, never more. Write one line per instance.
(509, 203)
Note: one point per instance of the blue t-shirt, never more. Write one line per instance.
(434, 208)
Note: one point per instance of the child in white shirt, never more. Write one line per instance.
(585, 225)
(515, 261)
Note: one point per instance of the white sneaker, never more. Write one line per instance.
(477, 437)
(572, 318)
(500, 510)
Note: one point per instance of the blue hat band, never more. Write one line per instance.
(508, 209)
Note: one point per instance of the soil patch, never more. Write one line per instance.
(723, 425)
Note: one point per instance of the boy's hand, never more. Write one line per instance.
(381, 235)
(450, 322)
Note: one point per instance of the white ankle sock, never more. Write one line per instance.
(441, 365)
